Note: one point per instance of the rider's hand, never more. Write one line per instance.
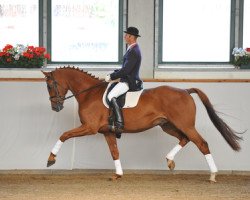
(107, 78)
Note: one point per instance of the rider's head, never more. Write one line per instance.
(131, 35)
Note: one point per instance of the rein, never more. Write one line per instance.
(82, 91)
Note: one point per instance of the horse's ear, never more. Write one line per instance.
(46, 74)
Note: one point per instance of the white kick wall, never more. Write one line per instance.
(29, 129)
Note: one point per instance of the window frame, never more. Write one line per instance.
(120, 39)
(242, 23)
(40, 24)
(162, 64)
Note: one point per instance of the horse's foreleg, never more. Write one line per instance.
(170, 156)
(172, 130)
(53, 153)
(112, 143)
(77, 132)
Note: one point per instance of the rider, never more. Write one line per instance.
(128, 74)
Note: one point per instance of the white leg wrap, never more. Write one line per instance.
(118, 167)
(57, 147)
(173, 152)
(211, 164)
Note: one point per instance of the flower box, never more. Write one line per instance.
(22, 56)
(245, 66)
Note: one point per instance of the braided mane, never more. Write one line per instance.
(73, 68)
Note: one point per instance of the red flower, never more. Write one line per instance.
(7, 47)
(31, 48)
(40, 49)
(47, 56)
(8, 59)
(28, 55)
(38, 54)
(2, 54)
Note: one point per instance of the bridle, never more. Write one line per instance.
(57, 98)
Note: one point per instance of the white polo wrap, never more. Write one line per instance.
(57, 147)
(211, 164)
(173, 152)
(118, 167)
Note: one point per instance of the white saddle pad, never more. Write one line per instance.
(131, 98)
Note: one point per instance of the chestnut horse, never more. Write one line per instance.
(170, 108)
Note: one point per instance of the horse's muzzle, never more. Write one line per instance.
(57, 107)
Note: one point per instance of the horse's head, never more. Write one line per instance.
(57, 91)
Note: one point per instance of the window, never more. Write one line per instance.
(246, 25)
(19, 22)
(195, 31)
(84, 30)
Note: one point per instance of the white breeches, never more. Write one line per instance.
(118, 90)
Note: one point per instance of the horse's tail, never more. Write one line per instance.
(228, 134)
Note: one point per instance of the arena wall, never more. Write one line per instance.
(29, 130)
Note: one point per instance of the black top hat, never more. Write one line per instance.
(132, 31)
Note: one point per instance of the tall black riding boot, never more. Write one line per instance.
(119, 121)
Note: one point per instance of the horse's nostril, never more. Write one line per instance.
(57, 108)
(60, 107)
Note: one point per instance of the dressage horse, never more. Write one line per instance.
(172, 109)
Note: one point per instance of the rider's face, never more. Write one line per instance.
(127, 38)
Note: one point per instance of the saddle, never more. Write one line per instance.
(127, 100)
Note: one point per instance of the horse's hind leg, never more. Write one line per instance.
(112, 143)
(183, 140)
(202, 145)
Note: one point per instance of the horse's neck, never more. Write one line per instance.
(82, 85)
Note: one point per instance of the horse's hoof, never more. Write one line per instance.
(115, 177)
(212, 178)
(212, 181)
(50, 162)
(171, 164)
